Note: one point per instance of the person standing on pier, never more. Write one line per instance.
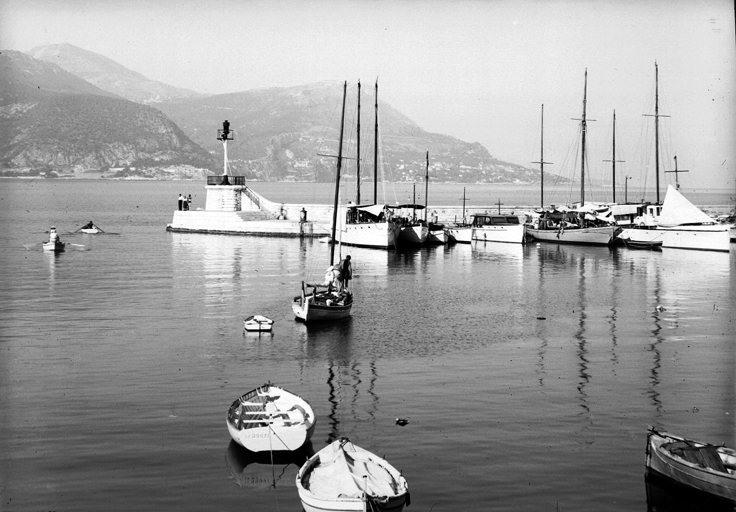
(181, 202)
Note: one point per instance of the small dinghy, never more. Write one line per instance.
(345, 477)
(697, 465)
(258, 323)
(269, 418)
(90, 228)
(54, 246)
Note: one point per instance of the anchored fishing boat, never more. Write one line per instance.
(270, 418)
(323, 302)
(702, 466)
(345, 477)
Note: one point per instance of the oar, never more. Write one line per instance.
(30, 247)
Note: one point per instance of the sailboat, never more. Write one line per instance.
(683, 225)
(414, 231)
(462, 232)
(322, 302)
(369, 225)
(436, 232)
(580, 224)
(676, 223)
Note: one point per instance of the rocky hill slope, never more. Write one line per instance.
(280, 133)
(55, 124)
(107, 74)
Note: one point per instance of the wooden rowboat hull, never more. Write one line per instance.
(52, 247)
(270, 418)
(340, 495)
(662, 462)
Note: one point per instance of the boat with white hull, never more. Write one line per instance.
(270, 418)
(461, 234)
(369, 226)
(584, 223)
(498, 228)
(343, 477)
(681, 225)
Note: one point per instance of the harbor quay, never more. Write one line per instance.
(231, 207)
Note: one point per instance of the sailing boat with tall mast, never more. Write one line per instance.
(580, 224)
(324, 302)
(437, 234)
(369, 225)
(462, 232)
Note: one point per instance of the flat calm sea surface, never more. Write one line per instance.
(528, 374)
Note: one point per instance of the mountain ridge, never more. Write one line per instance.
(280, 131)
(53, 123)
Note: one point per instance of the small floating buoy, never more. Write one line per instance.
(660, 308)
(541, 318)
(401, 421)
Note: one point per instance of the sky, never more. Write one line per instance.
(479, 71)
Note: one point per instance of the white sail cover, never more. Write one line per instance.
(374, 210)
(678, 211)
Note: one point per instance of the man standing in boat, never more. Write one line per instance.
(54, 236)
(345, 274)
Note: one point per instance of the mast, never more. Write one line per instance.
(541, 164)
(584, 126)
(375, 153)
(613, 157)
(357, 168)
(337, 177)
(656, 126)
(463, 205)
(426, 189)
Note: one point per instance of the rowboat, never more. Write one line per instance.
(700, 466)
(54, 246)
(269, 418)
(343, 477)
(91, 231)
(258, 323)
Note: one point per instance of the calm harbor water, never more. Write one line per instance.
(528, 374)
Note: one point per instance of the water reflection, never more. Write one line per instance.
(265, 470)
(666, 496)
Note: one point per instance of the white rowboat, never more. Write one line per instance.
(269, 418)
(258, 323)
(343, 477)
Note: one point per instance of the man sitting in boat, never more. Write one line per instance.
(89, 225)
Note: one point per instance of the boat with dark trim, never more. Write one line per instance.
(270, 418)
(323, 301)
(702, 466)
(582, 223)
(369, 225)
(343, 477)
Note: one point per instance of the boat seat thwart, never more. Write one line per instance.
(704, 456)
